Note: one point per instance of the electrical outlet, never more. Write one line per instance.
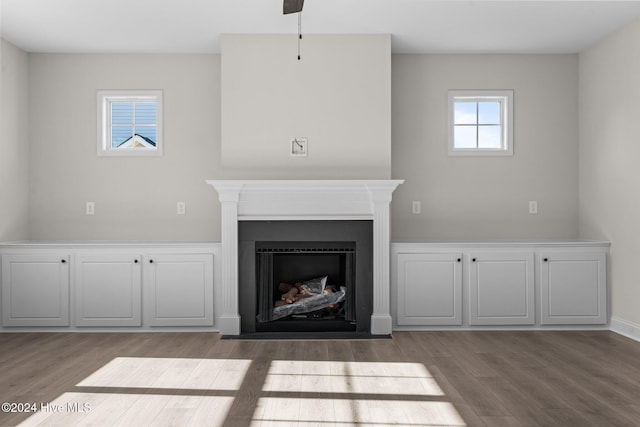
(416, 207)
(533, 207)
(91, 208)
(181, 208)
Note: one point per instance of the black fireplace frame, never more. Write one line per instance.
(352, 233)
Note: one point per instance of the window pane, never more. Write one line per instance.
(489, 113)
(489, 137)
(121, 113)
(129, 122)
(148, 133)
(480, 122)
(145, 113)
(119, 134)
(464, 113)
(464, 136)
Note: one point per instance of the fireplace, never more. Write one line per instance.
(305, 286)
(297, 201)
(330, 261)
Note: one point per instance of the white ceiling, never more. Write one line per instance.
(416, 26)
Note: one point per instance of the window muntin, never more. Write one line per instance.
(480, 123)
(130, 123)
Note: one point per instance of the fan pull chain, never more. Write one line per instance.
(299, 32)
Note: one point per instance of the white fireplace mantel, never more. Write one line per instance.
(286, 200)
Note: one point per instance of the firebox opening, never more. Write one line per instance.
(305, 286)
(274, 252)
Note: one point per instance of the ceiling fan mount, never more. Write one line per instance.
(292, 6)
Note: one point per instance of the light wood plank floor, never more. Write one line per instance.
(541, 378)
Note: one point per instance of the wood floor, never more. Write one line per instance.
(417, 378)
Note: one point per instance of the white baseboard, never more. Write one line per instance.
(626, 328)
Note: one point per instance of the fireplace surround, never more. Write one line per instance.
(304, 200)
(274, 252)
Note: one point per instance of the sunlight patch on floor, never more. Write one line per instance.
(402, 394)
(280, 412)
(351, 377)
(176, 373)
(125, 410)
(294, 393)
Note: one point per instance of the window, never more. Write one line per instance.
(130, 123)
(481, 123)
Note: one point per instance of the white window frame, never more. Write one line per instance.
(104, 100)
(505, 97)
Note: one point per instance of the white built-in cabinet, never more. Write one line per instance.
(178, 289)
(429, 288)
(525, 284)
(108, 289)
(107, 286)
(501, 288)
(35, 289)
(573, 288)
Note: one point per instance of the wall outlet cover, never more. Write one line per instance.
(181, 208)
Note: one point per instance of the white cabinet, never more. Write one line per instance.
(573, 288)
(429, 289)
(499, 284)
(107, 285)
(108, 289)
(501, 288)
(35, 289)
(178, 289)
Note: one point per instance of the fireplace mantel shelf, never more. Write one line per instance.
(246, 200)
(305, 183)
(305, 199)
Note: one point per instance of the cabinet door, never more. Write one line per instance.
(35, 290)
(573, 288)
(179, 289)
(107, 289)
(429, 289)
(501, 289)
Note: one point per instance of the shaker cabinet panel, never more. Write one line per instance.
(179, 289)
(573, 288)
(429, 289)
(108, 290)
(501, 289)
(35, 290)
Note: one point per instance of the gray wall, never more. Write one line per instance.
(338, 96)
(14, 144)
(462, 198)
(486, 198)
(135, 197)
(609, 153)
